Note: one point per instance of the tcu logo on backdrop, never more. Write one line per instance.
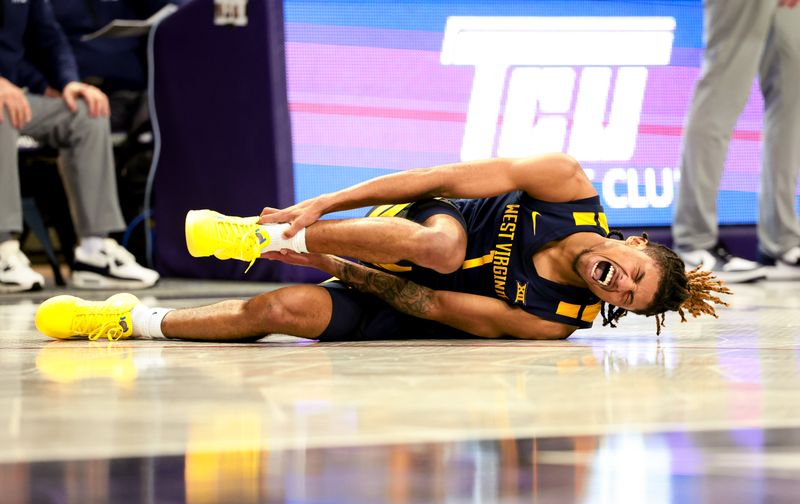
(558, 65)
(230, 12)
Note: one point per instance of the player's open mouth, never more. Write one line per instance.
(603, 273)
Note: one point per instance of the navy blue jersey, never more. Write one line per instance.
(503, 234)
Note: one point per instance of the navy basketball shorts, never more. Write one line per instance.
(357, 316)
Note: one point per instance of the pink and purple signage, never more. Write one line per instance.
(378, 86)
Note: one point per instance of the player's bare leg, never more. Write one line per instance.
(439, 243)
(299, 310)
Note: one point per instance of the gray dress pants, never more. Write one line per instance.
(744, 39)
(87, 166)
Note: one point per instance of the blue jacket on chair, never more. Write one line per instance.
(27, 25)
(110, 63)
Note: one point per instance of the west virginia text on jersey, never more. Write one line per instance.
(503, 234)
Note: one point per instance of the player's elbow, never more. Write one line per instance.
(573, 179)
(548, 333)
(493, 333)
(566, 166)
(554, 170)
(557, 336)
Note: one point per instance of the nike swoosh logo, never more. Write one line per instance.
(534, 215)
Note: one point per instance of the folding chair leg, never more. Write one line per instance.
(33, 219)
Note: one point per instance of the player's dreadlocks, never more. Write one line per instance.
(678, 290)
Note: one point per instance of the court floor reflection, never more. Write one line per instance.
(709, 411)
(745, 465)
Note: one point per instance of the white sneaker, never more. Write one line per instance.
(16, 274)
(723, 264)
(785, 267)
(112, 267)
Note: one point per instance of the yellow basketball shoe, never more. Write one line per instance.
(66, 317)
(211, 233)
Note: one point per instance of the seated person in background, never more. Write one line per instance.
(523, 253)
(77, 123)
(116, 65)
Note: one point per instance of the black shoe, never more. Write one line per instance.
(113, 267)
(785, 267)
(723, 264)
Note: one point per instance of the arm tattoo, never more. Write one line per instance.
(403, 295)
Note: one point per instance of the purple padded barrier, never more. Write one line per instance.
(224, 136)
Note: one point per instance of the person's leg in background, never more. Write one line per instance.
(16, 274)
(87, 168)
(778, 227)
(735, 34)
